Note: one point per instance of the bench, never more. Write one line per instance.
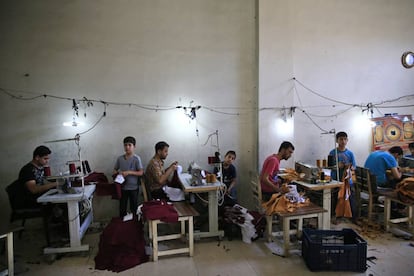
(185, 214)
(300, 213)
(391, 196)
(6, 232)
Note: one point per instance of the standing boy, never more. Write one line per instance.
(129, 165)
(345, 159)
(345, 156)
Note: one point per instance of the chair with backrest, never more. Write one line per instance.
(146, 192)
(366, 192)
(18, 212)
(258, 200)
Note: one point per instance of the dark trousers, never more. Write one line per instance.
(132, 196)
(159, 194)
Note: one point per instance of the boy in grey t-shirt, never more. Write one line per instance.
(129, 165)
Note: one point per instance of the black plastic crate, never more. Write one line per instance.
(334, 250)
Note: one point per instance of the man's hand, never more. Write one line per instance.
(173, 166)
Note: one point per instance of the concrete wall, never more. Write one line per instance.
(235, 58)
(158, 54)
(347, 54)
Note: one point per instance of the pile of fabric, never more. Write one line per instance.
(290, 175)
(405, 190)
(286, 201)
(121, 246)
(250, 222)
(158, 209)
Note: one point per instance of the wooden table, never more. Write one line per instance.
(76, 228)
(326, 188)
(300, 213)
(392, 196)
(6, 232)
(211, 189)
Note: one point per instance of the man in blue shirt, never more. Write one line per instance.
(407, 161)
(378, 162)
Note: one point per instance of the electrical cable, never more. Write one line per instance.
(322, 96)
(97, 122)
(221, 194)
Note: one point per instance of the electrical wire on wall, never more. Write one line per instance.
(368, 107)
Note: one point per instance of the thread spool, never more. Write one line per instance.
(47, 171)
(319, 163)
(83, 167)
(88, 169)
(72, 168)
(331, 160)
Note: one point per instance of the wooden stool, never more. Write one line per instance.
(390, 196)
(310, 211)
(6, 232)
(185, 213)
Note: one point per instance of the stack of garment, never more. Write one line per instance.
(248, 221)
(405, 190)
(290, 175)
(158, 209)
(285, 201)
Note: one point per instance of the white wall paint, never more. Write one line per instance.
(149, 52)
(169, 53)
(348, 51)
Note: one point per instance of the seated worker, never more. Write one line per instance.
(129, 165)
(407, 164)
(31, 178)
(229, 175)
(269, 181)
(155, 174)
(230, 198)
(378, 162)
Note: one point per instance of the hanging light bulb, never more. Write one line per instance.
(74, 123)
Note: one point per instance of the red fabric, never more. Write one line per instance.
(103, 187)
(175, 181)
(118, 191)
(96, 177)
(121, 246)
(159, 209)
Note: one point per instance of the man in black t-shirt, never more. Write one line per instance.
(31, 178)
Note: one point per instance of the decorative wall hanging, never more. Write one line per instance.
(392, 130)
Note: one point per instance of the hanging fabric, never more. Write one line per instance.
(343, 207)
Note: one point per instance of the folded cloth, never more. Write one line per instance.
(174, 194)
(159, 209)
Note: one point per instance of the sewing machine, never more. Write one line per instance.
(311, 172)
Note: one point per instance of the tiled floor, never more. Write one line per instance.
(394, 256)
